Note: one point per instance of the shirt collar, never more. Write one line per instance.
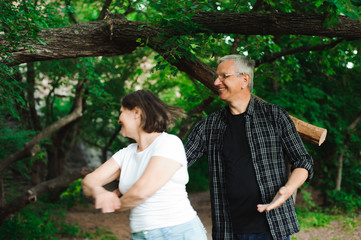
(249, 110)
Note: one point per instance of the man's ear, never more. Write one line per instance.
(245, 80)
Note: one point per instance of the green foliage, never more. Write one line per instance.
(12, 139)
(40, 221)
(73, 195)
(198, 176)
(351, 223)
(20, 24)
(346, 201)
(308, 200)
(346, 7)
(103, 234)
(309, 220)
(321, 87)
(313, 219)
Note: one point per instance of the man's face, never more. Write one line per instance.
(229, 82)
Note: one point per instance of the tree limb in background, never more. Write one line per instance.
(109, 143)
(64, 139)
(192, 117)
(104, 10)
(31, 147)
(31, 195)
(70, 14)
(318, 47)
(30, 79)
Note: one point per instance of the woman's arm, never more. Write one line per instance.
(158, 172)
(93, 184)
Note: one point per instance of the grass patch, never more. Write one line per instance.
(320, 218)
(314, 219)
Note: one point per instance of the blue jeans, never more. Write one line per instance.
(192, 230)
(255, 236)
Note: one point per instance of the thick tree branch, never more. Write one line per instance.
(277, 24)
(309, 132)
(31, 195)
(81, 40)
(94, 38)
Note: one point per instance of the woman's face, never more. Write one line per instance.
(130, 122)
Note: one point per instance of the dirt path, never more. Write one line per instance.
(118, 223)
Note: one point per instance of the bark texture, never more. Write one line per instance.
(31, 195)
(115, 37)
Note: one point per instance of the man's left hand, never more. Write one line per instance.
(282, 195)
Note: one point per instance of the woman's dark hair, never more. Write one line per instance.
(156, 114)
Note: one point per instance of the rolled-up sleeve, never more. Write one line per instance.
(293, 145)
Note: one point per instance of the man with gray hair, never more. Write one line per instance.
(245, 143)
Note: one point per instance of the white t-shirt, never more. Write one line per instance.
(168, 206)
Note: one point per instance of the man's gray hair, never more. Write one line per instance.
(242, 64)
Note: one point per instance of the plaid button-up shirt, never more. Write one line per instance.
(271, 134)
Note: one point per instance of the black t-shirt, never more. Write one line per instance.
(242, 188)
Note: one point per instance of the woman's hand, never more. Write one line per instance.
(106, 201)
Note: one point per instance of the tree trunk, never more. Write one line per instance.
(30, 78)
(64, 140)
(2, 191)
(339, 170)
(38, 171)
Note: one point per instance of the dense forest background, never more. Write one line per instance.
(66, 64)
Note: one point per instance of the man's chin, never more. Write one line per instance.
(222, 96)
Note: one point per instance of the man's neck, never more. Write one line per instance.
(239, 105)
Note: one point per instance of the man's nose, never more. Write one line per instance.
(217, 81)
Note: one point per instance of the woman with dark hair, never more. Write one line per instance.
(152, 174)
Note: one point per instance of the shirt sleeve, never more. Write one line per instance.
(118, 157)
(293, 145)
(122, 154)
(195, 145)
(171, 147)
